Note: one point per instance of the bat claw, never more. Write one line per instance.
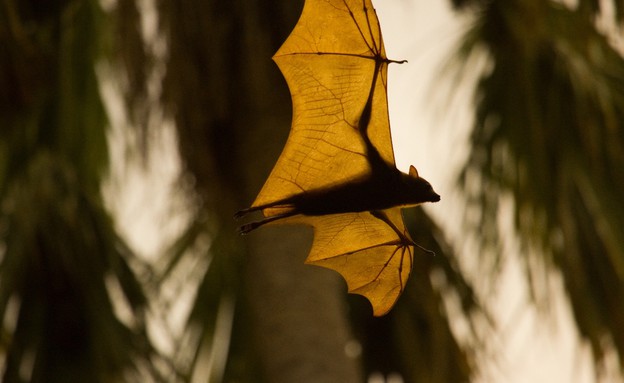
(425, 249)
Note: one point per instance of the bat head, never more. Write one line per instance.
(416, 189)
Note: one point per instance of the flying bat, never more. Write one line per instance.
(337, 172)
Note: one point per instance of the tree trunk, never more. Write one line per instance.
(299, 314)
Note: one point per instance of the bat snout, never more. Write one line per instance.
(435, 197)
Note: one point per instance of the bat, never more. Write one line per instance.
(336, 172)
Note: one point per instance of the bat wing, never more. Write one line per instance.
(329, 62)
(374, 261)
(335, 64)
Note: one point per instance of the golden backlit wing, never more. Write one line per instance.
(367, 252)
(330, 61)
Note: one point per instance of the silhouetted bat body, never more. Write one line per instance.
(377, 191)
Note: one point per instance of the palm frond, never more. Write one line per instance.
(549, 131)
(61, 255)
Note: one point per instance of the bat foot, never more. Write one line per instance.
(245, 229)
(249, 227)
(241, 213)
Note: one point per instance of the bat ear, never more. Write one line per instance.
(413, 172)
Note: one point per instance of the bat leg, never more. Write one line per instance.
(246, 228)
(285, 203)
(241, 213)
(404, 239)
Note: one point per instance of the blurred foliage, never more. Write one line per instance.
(61, 257)
(549, 130)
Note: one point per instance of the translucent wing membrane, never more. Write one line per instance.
(374, 260)
(328, 62)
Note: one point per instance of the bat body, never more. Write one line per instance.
(337, 171)
(377, 191)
